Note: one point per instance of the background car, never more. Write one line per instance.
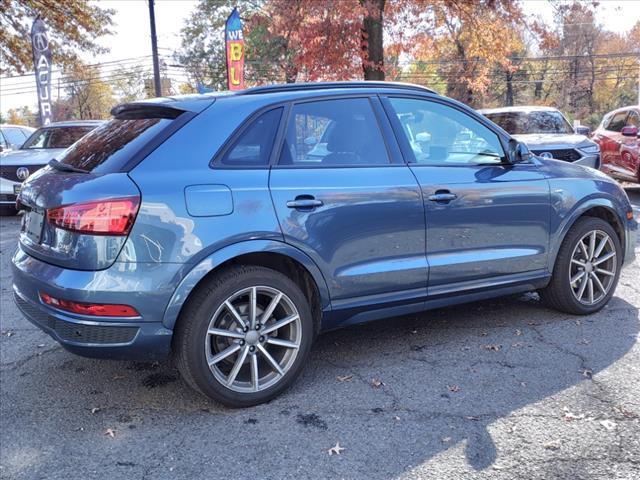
(13, 136)
(619, 143)
(34, 153)
(547, 133)
(199, 227)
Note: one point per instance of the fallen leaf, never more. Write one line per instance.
(608, 424)
(584, 341)
(471, 417)
(40, 345)
(111, 432)
(454, 388)
(414, 331)
(396, 418)
(483, 334)
(446, 439)
(344, 378)
(578, 322)
(523, 384)
(532, 323)
(95, 409)
(517, 344)
(9, 333)
(336, 450)
(587, 373)
(495, 348)
(375, 383)
(518, 332)
(568, 416)
(552, 445)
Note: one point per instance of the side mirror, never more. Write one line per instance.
(629, 131)
(583, 130)
(518, 152)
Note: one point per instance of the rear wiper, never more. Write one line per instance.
(63, 167)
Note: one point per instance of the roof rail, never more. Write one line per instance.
(295, 87)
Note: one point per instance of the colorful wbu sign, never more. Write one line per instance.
(42, 67)
(235, 51)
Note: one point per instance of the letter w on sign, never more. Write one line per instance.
(235, 51)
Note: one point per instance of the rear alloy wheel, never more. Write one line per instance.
(253, 339)
(244, 336)
(587, 268)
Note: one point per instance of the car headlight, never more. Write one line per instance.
(590, 148)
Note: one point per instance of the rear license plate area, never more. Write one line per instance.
(32, 224)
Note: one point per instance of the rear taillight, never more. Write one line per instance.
(103, 217)
(95, 309)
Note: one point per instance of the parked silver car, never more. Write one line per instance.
(13, 136)
(41, 147)
(547, 133)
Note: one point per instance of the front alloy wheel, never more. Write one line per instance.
(593, 267)
(587, 268)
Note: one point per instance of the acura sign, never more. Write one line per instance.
(42, 67)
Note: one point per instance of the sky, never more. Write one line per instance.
(132, 35)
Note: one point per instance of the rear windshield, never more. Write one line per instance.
(56, 137)
(109, 147)
(520, 123)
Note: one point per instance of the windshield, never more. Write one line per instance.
(520, 123)
(56, 137)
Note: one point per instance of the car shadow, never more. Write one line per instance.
(394, 393)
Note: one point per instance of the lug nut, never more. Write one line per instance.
(262, 338)
(252, 348)
(245, 329)
(258, 326)
(241, 342)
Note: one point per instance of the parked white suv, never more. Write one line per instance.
(547, 133)
(13, 136)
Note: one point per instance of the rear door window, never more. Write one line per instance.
(331, 133)
(112, 145)
(634, 119)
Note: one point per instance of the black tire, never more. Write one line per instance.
(190, 333)
(8, 211)
(559, 294)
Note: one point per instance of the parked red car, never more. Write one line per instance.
(619, 143)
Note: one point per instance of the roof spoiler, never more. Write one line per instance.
(128, 111)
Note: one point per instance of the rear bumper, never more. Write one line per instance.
(145, 287)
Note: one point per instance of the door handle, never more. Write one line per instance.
(444, 196)
(304, 202)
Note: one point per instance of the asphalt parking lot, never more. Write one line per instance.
(499, 389)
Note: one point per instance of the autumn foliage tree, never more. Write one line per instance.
(73, 26)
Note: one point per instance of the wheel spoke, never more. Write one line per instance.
(224, 354)
(253, 306)
(592, 243)
(583, 287)
(237, 366)
(282, 343)
(590, 290)
(578, 262)
(577, 277)
(604, 258)
(255, 378)
(234, 313)
(601, 246)
(604, 272)
(272, 306)
(219, 332)
(279, 324)
(272, 361)
(598, 283)
(584, 250)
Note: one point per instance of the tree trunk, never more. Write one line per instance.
(508, 96)
(372, 38)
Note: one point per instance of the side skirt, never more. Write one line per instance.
(363, 309)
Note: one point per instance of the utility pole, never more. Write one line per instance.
(154, 50)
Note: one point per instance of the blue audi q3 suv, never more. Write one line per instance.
(228, 230)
